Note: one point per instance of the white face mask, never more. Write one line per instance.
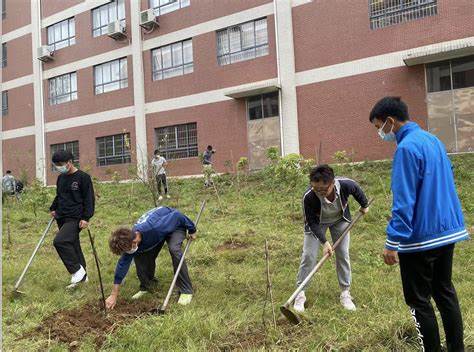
(387, 137)
(61, 169)
(131, 251)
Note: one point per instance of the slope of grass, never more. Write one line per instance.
(227, 266)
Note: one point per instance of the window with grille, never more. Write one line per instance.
(110, 76)
(177, 142)
(105, 14)
(62, 34)
(242, 42)
(4, 54)
(161, 7)
(4, 9)
(384, 13)
(172, 60)
(63, 88)
(4, 103)
(261, 106)
(72, 147)
(112, 150)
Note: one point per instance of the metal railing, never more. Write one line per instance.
(384, 13)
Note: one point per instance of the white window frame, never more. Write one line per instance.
(161, 7)
(62, 89)
(104, 80)
(124, 157)
(180, 65)
(105, 14)
(62, 34)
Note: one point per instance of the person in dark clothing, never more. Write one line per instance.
(72, 208)
(427, 221)
(207, 165)
(143, 243)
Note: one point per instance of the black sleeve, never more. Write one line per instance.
(54, 205)
(88, 197)
(312, 220)
(358, 194)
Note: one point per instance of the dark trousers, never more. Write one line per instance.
(428, 274)
(161, 179)
(68, 244)
(146, 263)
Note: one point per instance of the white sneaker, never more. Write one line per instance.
(78, 277)
(299, 302)
(346, 300)
(185, 299)
(139, 295)
(160, 198)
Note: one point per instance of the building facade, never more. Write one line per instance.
(241, 75)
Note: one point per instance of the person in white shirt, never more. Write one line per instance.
(9, 183)
(159, 172)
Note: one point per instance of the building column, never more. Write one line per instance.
(286, 76)
(138, 90)
(40, 155)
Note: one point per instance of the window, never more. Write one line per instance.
(384, 13)
(261, 106)
(177, 142)
(73, 147)
(172, 60)
(458, 71)
(4, 103)
(161, 7)
(4, 54)
(62, 34)
(112, 150)
(110, 76)
(4, 9)
(105, 14)
(242, 42)
(63, 88)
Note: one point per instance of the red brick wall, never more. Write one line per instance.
(19, 156)
(337, 112)
(20, 108)
(87, 102)
(330, 32)
(50, 7)
(86, 135)
(222, 125)
(208, 74)
(18, 58)
(18, 15)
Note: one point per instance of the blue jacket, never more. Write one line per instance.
(154, 226)
(426, 210)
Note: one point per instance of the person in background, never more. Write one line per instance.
(207, 165)
(427, 221)
(9, 184)
(158, 164)
(72, 208)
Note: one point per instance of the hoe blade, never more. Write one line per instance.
(290, 315)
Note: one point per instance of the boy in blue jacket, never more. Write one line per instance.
(426, 223)
(143, 243)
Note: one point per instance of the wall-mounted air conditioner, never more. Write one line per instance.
(45, 54)
(148, 20)
(116, 30)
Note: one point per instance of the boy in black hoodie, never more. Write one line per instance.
(72, 208)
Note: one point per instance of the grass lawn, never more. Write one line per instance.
(230, 310)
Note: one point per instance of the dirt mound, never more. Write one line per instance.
(232, 245)
(71, 326)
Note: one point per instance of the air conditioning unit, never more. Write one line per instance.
(148, 20)
(45, 54)
(116, 30)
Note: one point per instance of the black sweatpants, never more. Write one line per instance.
(146, 263)
(68, 244)
(428, 274)
(161, 179)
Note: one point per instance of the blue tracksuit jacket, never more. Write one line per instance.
(426, 210)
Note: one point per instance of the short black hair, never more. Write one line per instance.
(209, 147)
(322, 173)
(389, 106)
(156, 152)
(9, 172)
(62, 156)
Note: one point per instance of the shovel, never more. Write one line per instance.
(285, 309)
(98, 269)
(20, 279)
(161, 309)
